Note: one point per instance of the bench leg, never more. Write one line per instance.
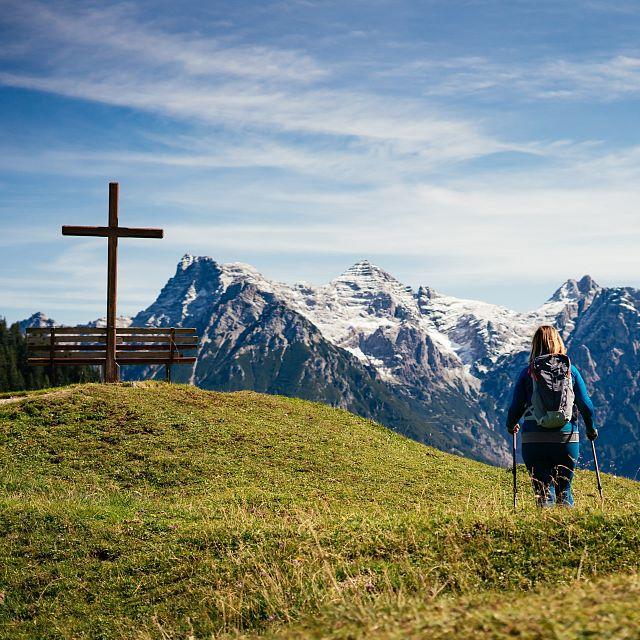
(167, 372)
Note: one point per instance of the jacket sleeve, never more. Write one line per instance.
(518, 402)
(583, 400)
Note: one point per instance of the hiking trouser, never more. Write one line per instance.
(551, 466)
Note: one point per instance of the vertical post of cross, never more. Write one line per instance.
(111, 369)
(112, 232)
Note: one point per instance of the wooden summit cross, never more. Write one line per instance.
(112, 232)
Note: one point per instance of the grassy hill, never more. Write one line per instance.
(164, 511)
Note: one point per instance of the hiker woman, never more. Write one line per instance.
(549, 392)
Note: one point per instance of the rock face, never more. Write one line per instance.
(436, 368)
(605, 345)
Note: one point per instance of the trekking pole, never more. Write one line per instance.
(515, 477)
(595, 460)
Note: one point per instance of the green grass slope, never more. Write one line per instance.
(164, 511)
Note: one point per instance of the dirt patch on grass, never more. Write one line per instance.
(52, 394)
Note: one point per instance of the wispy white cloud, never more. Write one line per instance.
(602, 79)
(233, 86)
(323, 112)
(111, 32)
(371, 161)
(263, 91)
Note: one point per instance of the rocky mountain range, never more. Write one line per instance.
(434, 367)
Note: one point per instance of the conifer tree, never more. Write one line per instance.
(16, 374)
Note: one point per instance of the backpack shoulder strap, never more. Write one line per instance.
(529, 414)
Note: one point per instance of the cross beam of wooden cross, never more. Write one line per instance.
(112, 232)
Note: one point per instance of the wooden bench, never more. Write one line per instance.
(59, 346)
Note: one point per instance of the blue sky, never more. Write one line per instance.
(487, 149)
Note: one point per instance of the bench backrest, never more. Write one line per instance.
(87, 345)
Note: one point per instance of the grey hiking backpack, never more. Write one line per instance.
(553, 397)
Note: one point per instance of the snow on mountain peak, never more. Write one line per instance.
(362, 267)
(121, 321)
(186, 261)
(573, 290)
(373, 315)
(369, 287)
(229, 272)
(365, 272)
(239, 271)
(425, 292)
(564, 306)
(38, 320)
